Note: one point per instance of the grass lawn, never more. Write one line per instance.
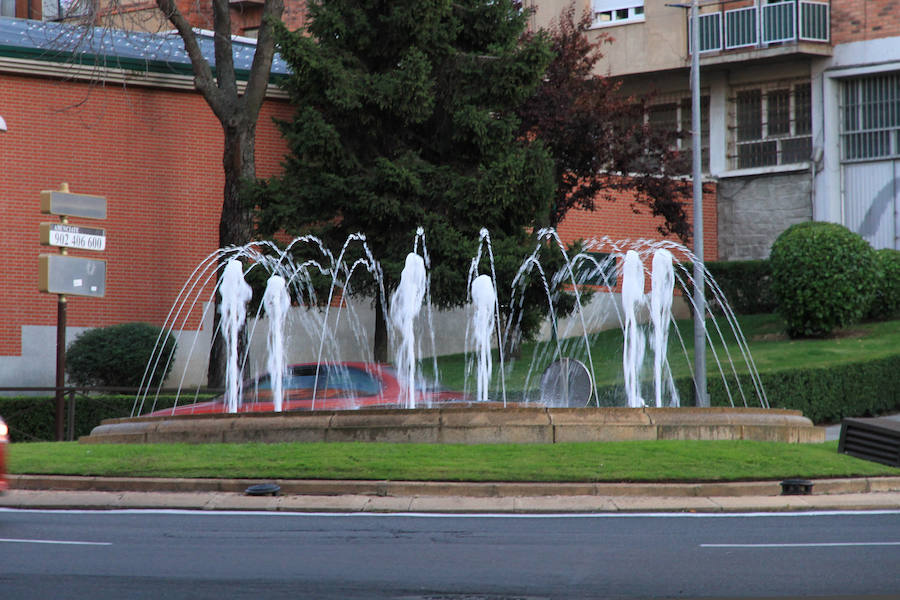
(586, 462)
(770, 348)
(581, 462)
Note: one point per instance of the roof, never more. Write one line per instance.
(115, 48)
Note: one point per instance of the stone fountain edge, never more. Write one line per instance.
(468, 425)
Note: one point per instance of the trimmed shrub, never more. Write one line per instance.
(824, 277)
(117, 356)
(745, 284)
(33, 418)
(886, 303)
(824, 395)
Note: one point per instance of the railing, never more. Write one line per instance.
(761, 26)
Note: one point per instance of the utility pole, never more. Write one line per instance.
(701, 396)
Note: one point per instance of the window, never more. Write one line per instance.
(7, 8)
(772, 125)
(870, 117)
(54, 10)
(675, 115)
(615, 12)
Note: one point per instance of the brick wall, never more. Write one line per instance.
(156, 155)
(621, 219)
(856, 20)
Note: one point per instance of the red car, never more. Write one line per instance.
(338, 386)
(4, 442)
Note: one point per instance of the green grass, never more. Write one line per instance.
(582, 462)
(770, 348)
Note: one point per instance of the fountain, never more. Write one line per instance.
(406, 303)
(641, 316)
(485, 299)
(276, 301)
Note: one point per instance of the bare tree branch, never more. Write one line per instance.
(203, 75)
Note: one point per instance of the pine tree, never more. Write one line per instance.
(406, 118)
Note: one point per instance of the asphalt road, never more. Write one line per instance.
(145, 554)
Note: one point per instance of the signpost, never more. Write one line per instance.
(64, 275)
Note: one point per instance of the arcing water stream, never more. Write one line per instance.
(641, 315)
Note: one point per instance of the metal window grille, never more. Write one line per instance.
(710, 32)
(803, 109)
(673, 113)
(684, 143)
(870, 117)
(778, 112)
(778, 22)
(772, 125)
(814, 21)
(741, 29)
(749, 115)
(771, 23)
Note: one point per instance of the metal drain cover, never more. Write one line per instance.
(263, 489)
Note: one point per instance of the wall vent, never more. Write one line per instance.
(877, 440)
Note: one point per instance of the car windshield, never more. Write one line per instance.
(333, 380)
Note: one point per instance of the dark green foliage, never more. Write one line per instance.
(117, 356)
(745, 284)
(33, 418)
(886, 303)
(824, 395)
(405, 118)
(824, 277)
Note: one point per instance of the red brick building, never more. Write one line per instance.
(140, 136)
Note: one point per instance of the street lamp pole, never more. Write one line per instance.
(701, 397)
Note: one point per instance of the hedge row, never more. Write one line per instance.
(33, 418)
(746, 285)
(824, 395)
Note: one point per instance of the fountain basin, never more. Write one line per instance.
(468, 425)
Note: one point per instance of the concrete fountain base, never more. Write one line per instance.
(469, 425)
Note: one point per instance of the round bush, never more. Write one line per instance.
(117, 356)
(886, 304)
(824, 277)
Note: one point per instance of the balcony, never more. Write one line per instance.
(762, 30)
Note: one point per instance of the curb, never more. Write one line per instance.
(106, 493)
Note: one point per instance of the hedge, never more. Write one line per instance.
(824, 395)
(824, 276)
(33, 418)
(746, 285)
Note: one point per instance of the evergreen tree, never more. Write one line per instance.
(407, 117)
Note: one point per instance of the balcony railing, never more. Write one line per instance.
(761, 26)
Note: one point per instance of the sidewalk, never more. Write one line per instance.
(105, 493)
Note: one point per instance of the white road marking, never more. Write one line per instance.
(802, 545)
(437, 515)
(60, 542)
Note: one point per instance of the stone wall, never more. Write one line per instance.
(755, 209)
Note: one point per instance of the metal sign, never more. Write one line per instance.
(72, 275)
(73, 236)
(73, 205)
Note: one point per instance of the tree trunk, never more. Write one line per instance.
(380, 348)
(235, 227)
